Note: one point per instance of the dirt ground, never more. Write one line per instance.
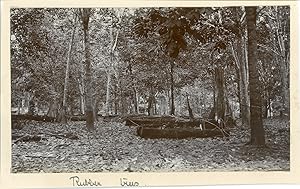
(114, 147)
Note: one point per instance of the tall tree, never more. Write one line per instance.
(276, 22)
(64, 104)
(114, 41)
(85, 14)
(256, 124)
(191, 115)
(220, 103)
(238, 47)
(172, 111)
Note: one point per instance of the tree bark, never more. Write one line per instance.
(285, 87)
(53, 109)
(256, 124)
(168, 102)
(95, 110)
(107, 108)
(116, 102)
(220, 104)
(283, 59)
(240, 59)
(151, 100)
(172, 112)
(64, 106)
(191, 115)
(134, 90)
(85, 16)
(31, 107)
(82, 95)
(114, 42)
(135, 103)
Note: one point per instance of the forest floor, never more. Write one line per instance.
(115, 147)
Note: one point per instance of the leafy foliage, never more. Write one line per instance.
(142, 58)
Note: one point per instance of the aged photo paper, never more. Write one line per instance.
(149, 93)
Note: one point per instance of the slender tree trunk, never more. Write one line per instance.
(135, 100)
(284, 72)
(85, 16)
(191, 115)
(151, 102)
(172, 112)
(82, 96)
(220, 97)
(155, 106)
(108, 84)
(31, 108)
(19, 106)
(95, 110)
(64, 104)
(239, 91)
(245, 82)
(168, 102)
(114, 42)
(269, 108)
(53, 109)
(72, 108)
(179, 105)
(283, 59)
(199, 105)
(134, 90)
(124, 105)
(81, 87)
(118, 96)
(23, 106)
(265, 108)
(240, 59)
(121, 105)
(245, 100)
(256, 124)
(116, 102)
(50, 110)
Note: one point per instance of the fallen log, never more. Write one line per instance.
(78, 118)
(172, 122)
(33, 117)
(28, 138)
(35, 138)
(110, 118)
(104, 118)
(129, 120)
(146, 120)
(179, 133)
(16, 136)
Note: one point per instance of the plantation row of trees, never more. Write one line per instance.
(202, 62)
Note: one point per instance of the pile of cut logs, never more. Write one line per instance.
(176, 127)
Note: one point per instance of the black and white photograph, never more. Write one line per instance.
(150, 89)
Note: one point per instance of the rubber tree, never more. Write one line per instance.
(64, 104)
(85, 14)
(256, 123)
(241, 67)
